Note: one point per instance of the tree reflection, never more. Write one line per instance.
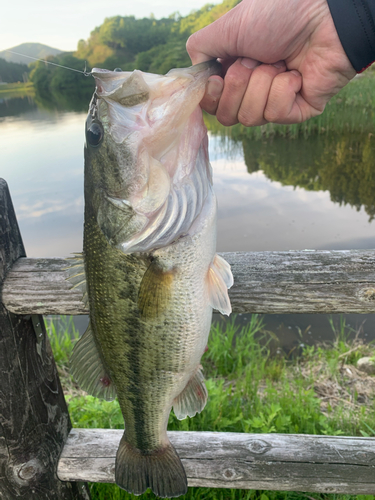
(342, 165)
(16, 106)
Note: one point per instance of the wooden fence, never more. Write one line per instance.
(42, 457)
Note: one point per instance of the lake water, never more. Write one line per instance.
(272, 195)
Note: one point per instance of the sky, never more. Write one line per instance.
(62, 24)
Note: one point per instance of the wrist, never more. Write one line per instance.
(354, 22)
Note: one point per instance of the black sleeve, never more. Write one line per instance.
(354, 21)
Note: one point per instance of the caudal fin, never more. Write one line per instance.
(161, 470)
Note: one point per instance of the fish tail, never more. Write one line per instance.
(161, 470)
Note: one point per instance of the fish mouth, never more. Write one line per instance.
(212, 67)
(125, 102)
(108, 82)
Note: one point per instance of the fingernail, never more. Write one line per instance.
(249, 63)
(279, 64)
(295, 72)
(214, 88)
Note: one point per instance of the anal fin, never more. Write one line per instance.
(88, 370)
(193, 398)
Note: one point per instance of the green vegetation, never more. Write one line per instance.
(12, 72)
(61, 88)
(131, 43)
(320, 392)
(341, 164)
(16, 89)
(128, 43)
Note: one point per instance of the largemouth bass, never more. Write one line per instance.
(149, 269)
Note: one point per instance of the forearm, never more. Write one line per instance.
(355, 24)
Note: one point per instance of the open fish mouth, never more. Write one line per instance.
(135, 100)
(108, 82)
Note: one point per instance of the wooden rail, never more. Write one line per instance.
(264, 282)
(327, 464)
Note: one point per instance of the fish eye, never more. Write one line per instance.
(94, 134)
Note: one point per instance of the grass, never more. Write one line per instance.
(16, 89)
(319, 392)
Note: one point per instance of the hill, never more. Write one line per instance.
(37, 50)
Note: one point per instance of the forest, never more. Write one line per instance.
(148, 44)
(12, 72)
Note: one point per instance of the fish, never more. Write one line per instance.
(149, 272)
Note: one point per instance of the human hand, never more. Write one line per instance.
(282, 61)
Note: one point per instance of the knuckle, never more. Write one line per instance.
(246, 119)
(236, 82)
(226, 120)
(265, 71)
(271, 114)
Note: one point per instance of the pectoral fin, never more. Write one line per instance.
(88, 370)
(155, 290)
(193, 398)
(219, 279)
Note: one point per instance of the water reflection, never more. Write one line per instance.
(42, 161)
(16, 106)
(342, 165)
(256, 214)
(75, 98)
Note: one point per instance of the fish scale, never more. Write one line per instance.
(152, 277)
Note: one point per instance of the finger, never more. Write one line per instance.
(285, 102)
(211, 98)
(236, 81)
(255, 99)
(215, 87)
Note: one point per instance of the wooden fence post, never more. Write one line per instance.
(34, 419)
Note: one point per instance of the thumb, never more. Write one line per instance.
(216, 40)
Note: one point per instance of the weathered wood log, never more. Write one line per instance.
(34, 420)
(328, 464)
(264, 282)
